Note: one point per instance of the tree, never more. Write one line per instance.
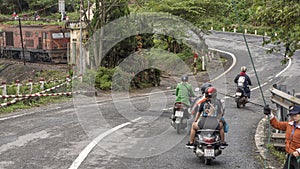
(283, 17)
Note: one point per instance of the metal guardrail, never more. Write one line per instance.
(283, 101)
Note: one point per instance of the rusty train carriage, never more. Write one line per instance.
(41, 43)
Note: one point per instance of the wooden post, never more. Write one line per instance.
(4, 93)
(195, 62)
(30, 86)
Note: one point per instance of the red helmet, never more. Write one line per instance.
(211, 92)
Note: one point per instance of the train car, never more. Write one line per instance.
(41, 43)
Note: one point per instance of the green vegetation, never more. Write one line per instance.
(280, 155)
(273, 17)
(33, 102)
(270, 16)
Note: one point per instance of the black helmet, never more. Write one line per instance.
(184, 78)
(211, 92)
(205, 86)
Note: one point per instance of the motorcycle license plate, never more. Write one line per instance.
(209, 152)
(179, 113)
(238, 93)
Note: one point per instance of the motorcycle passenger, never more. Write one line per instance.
(209, 107)
(243, 80)
(183, 93)
(200, 99)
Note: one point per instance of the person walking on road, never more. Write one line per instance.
(292, 135)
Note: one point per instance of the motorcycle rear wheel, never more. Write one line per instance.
(207, 161)
(238, 105)
(178, 126)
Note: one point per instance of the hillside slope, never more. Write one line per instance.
(10, 71)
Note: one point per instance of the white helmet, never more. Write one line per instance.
(243, 68)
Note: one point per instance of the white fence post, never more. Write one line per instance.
(18, 87)
(68, 81)
(203, 61)
(42, 82)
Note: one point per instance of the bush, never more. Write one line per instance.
(103, 78)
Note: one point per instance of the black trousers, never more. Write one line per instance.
(293, 163)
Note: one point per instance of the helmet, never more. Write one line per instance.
(243, 68)
(184, 78)
(211, 92)
(204, 86)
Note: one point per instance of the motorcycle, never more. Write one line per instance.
(240, 97)
(207, 141)
(181, 116)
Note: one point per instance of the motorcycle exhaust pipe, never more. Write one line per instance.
(199, 152)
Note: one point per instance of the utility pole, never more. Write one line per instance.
(61, 8)
(21, 35)
(103, 3)
(80, 41)
(89, 14)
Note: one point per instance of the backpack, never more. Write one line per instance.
(241, 81)
(209, 109)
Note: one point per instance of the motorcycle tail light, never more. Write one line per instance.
(209, 139)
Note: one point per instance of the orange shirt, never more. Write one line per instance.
(198, 102)
(292, 141)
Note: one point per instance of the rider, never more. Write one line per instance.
(200, 99)
(183, 93)
(243, 80)
(216, 109)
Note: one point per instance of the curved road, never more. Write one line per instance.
(78, 136)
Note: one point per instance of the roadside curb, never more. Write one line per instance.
(260, 142)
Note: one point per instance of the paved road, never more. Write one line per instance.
(136, 133)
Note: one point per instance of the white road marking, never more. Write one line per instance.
(81, 157)
(232, 65)
(289, 65)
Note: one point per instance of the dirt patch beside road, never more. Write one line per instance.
(10, 71)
